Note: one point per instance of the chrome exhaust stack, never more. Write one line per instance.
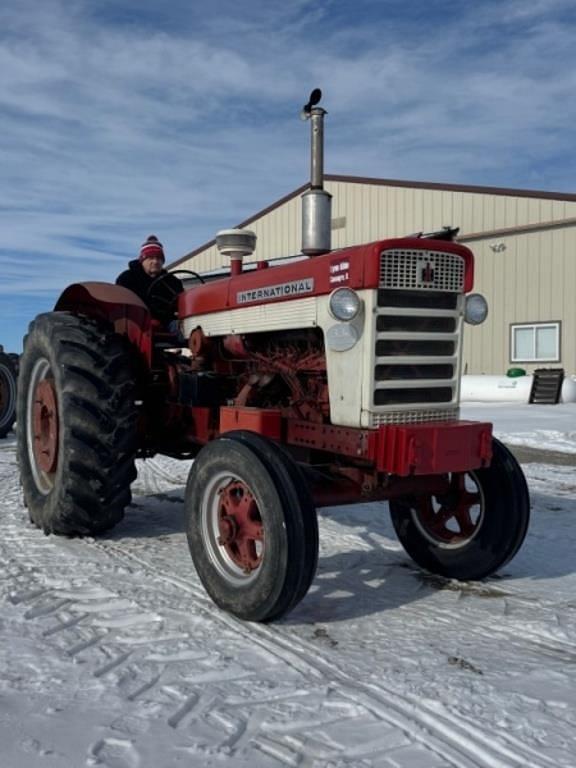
(316, 202)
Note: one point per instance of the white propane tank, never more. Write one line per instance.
(495, 389)
(568, 394)
(508, 389)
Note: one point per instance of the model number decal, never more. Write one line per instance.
(339, 272)
(295, 288)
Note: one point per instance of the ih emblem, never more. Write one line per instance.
(428, 273)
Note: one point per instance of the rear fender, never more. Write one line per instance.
(120, 306)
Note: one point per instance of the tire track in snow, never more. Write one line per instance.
(232, 734)
(240, 720)
(409, 713)
(542, 642)
(421, 722)
(507, 596)
(240, 731)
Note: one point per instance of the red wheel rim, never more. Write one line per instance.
(453, 519)
(45, 426)
(240, 528)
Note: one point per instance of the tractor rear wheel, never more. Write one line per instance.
(475, 528)
(252, 526)
(76, 425)
(7, 394)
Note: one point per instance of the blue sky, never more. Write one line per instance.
(124, 117)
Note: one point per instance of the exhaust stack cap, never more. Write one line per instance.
(315, 97)
(236, 243)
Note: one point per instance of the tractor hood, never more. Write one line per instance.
(357, 267)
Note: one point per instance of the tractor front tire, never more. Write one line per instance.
(7, 394)
(77, 424)
(475, 529)
(252, 527)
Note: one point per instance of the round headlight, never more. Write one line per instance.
(476, 310)
(344, 304)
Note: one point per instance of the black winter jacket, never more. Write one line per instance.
(161, 300)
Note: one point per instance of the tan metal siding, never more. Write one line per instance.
(533, 280)
(372, 212)
(377, 211)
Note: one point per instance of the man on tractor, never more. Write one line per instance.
(148, 279)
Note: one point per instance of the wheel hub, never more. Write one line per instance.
(457, 518)
(45, 426)
(228, 530)
(240, 526)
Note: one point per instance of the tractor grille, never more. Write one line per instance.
(415, 417)
(423, 270)
(417, 337)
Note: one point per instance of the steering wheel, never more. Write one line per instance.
(162, 293)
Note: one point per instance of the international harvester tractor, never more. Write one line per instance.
(324, 379)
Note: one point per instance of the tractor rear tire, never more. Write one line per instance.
(252, 527)
(77, 424)
(474, 530)
(7, 394)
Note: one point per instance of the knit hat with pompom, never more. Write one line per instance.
(152, 247)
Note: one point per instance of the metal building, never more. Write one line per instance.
(524, 243)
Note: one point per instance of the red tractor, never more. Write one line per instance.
(330, 378)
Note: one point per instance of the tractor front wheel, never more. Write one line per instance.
(76, 425)
(252, 527)
(472, 530)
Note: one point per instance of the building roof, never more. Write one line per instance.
(466, 188)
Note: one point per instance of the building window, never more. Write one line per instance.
(535, 342)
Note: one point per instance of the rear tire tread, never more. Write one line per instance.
(8, 412)
(92, 375)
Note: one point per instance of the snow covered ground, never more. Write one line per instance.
(112, 655)
(547, 427)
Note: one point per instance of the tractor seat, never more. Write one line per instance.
(166, 339)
